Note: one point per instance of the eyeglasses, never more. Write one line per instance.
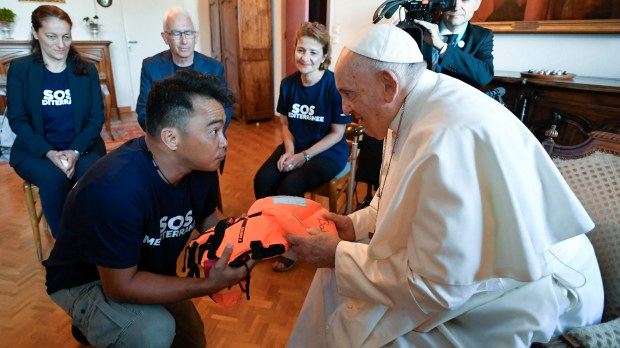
(176, 34)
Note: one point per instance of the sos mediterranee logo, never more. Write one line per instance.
(304, 112)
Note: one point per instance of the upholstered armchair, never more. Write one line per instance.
(592, 170)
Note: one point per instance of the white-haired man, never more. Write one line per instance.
(475, 238)
(181, 37)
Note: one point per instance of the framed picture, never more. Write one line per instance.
(549, 16)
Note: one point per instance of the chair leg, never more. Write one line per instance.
(333, 197)
(349, 193)
(34, 219)
(107, 101)
(47, 226)
(108, 125)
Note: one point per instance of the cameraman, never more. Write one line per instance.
(469, 55)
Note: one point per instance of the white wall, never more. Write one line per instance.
(112, 20)
(585, 55)
(582, 54)
(202, 25)
(75, 8)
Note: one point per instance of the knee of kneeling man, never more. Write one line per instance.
(151, 331)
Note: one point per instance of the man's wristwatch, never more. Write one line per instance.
(77, 153)
(306, 156)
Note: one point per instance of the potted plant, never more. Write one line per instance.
(7, 17)
(93, 24)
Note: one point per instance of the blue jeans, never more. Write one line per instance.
(106, 323)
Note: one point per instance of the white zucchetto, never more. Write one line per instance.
(386, 43)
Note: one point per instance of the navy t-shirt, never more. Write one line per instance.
(311, 111)
(56, 109)
(122, 214)
(177, 68)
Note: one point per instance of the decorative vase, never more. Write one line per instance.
(6, 28)
(94, 30)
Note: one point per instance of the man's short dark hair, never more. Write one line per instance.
(170, 101)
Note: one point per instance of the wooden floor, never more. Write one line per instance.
(28, 318)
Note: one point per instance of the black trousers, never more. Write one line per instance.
(269, 181)
(54, 186)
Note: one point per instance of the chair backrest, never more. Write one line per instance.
(354, 133)
(592, 170)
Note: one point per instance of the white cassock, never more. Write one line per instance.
(479, 241)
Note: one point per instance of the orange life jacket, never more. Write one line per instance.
(257, 236)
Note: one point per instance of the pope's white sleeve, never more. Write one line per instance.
(364, 220)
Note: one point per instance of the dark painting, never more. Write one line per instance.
(546, 10)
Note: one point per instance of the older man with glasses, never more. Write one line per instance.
(180, 36)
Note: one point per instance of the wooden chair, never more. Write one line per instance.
(344, 182)
(592, 170)
(36, 215)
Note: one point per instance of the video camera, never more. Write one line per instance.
(426, 10)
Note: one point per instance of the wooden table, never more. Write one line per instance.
(584, 104)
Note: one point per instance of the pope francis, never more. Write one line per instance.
(473, 238)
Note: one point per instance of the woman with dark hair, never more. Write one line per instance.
(314, 147)
(55, 108)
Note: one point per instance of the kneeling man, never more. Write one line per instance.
(113, 267)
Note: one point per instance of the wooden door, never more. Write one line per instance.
(255, 59)
(229, 44)
(246, 41)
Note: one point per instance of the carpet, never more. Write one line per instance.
(122, 132)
